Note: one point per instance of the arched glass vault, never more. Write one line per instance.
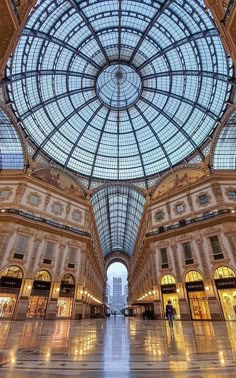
(119, 89)
(118, 210)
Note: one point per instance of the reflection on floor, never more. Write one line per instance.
(117, 347)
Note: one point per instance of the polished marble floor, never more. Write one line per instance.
(117, 347)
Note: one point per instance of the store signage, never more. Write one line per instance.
(11, 282)
(226, 283)
(166, 289)
(41, 285)
(195, 286)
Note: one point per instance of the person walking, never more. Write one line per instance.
(170, 313)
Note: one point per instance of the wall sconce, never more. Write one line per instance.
(85, 292)
(149, 292)
(207, 288)
(153, 292)
(29, 287)
(178, 290)
(57, 289)
(81, 292)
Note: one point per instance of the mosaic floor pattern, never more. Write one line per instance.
(117, 348)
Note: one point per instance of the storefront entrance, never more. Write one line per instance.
(66, 296)
(10, 285)
(199, 305)
(225, 282)
(198, 300)
(228, 303)
(64, 307)
(173, 297)
(39, 295)
(7, 305)
(168, 289)
(37, 307)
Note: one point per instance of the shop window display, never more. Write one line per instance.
(225, 282)
(168, 289)
(65, 300)
(64, 307)
(37, 307)
(7, 305)
(199, 305)
(198, 300)
(10, 284)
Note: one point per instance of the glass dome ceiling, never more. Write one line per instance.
(118, 89)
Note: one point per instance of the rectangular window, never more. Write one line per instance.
(188, 257)
(48, 253)
(21, 245)
(203, 199)
(159, 215)
(34, 199)
(4, 194)
(164, 258)
(77, 215)
(216, 248)
(57, 208)
(71, 255)
(232, 194)
(179, 208)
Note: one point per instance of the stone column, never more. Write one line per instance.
(231, 239)
(59, 259)
(5, 240)
(176, 262)
(37, 241)
(203, 259)
(20, 190)
(47, 199)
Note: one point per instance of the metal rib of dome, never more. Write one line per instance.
(119, 89)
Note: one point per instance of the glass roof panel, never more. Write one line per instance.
(11, 153)
(119, 89)
(225, 153)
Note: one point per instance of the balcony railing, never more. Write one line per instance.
(44, 220)
(186, 222)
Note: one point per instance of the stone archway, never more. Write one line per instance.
(120, 257)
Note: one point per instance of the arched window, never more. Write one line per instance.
(167, 279)
(43, 275)
(193, 275)
(223, 272)
(68, 279)
(12, 271)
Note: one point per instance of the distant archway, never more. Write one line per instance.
(117, 287)
(120, 257)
